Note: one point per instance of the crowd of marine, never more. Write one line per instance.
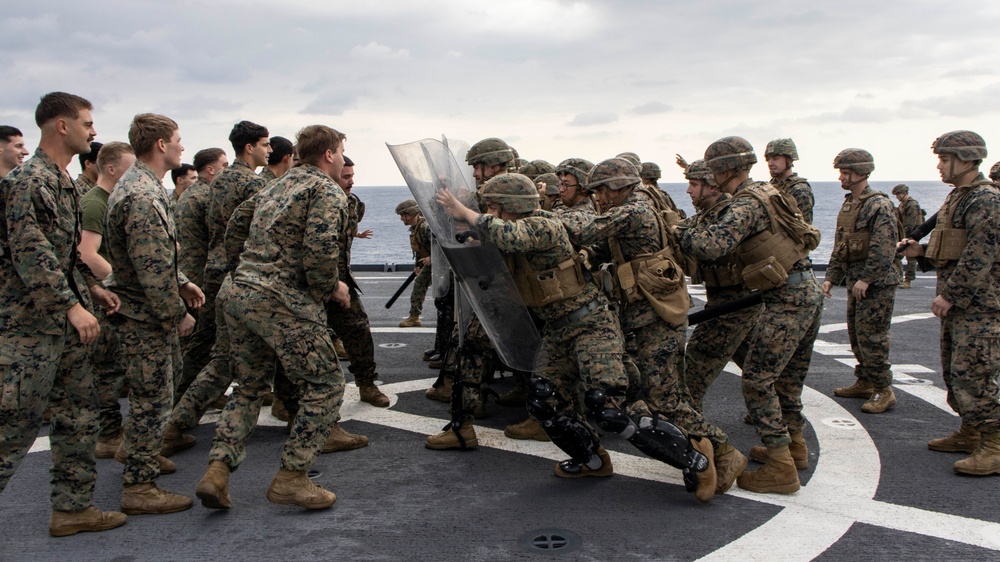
(111, 287)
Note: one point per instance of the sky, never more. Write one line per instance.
(556, 79)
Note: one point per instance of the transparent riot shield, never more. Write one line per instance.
(430, 165)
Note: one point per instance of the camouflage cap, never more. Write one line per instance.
(551, 181)
(965, 145)
(490, 152)
(901, 188)
(615, 173)
(536, 168)
(781, 147)
(576, 167)
(857, 160)
(995, 172)
(650, 171)
(514, 192)
(730, 153)
(698, 170)
(407, 207)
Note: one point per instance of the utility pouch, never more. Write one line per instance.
(765, 275)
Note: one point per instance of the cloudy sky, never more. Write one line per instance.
(554, 78)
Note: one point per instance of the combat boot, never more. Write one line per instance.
(729, 463)
(436, 362)
(174, 441)
(291, 487)
(965, 440)
(338, 346)
(448, 439)
(441, 393)
(213, 489)
(430, 353)
(529, 429)
(905, 284)
(341, 440)
(146, 498)
(280, 411)
(167, 466)
(514, 397)
(798, 449)
(777, 476)
(371, 394)
(571, 469)
(881, 400)
(107, 446)
(410, 322)
(986, 459)
(66, 523)
(708, 478)
(860, 389)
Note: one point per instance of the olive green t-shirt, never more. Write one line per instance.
(94, 205)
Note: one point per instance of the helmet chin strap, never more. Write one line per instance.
(952, 175)
(725, 184)
(854, 183)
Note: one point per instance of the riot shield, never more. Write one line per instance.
(430, 165)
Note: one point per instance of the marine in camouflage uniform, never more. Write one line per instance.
(780, 155)
(716, 341)
(650, 173)
(84, 184)
(420, 244)
(910, 216)
(864, 254)
(965, 249)
(775, 368)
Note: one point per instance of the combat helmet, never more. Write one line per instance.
(407, 207)
(650, 171)
(536, 168)
(576, 167)
(856, 160)
(965, 145)
(519, 162)
(633, 158)
(730, 153)
(490, 152)
(551, 181)
(901, 188)
(781, 147)
(698, 170)
(995, 172)
(615, 173)
(514, 192)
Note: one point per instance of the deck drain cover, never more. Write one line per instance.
(550, 541)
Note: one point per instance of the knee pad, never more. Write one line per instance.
(573, 437)
(539, 390)
(607, 416)
(665, 442)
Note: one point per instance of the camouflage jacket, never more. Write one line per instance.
(543, 240)
(41, 276)
(84, 184)
(420, 239)
(267, 175)
(800, 190)
(191, 213)
(881, 267)
(973, 282)
(585, 208)
(909, 214)
(142, 248)
(231, 186)
(292, 252)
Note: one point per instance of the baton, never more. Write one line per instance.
(724, 308)
(402, 288)
(921, 231)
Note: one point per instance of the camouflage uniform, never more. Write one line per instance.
(868, 319)
(286, 271)
(106, 360)
(775, 368)
(191, 214)
(420, 242)
(84, 184)
(141, 239)
(910, 216)
(267, 175)
(800, 190)
(41, 358)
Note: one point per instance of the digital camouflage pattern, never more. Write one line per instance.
(191, 212)
(267, 175)
(230, 187)
(536, 168)
(420, 241)
(910, 216)
(800, 190)
(84, 184)
(857, 160)
(782, 147)
(967, 146)
(878, 217)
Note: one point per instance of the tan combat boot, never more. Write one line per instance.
(904, 285)
(447, 439)
(529, 429)
(174, 441)
(798, 449)
(881, 400)
(441, 393)
(341, 440)
(213, 489)
(860, 389)
(338, 346)
(729, 463)
(279, 410)
(371, 394)
(570, 469)
(410, 322)
(777, 476)
(146, 498)
(66, 523)
(965, 440)
(708, 478)
(295, 488)
(167, 466)
(986, 459)
(108, 446)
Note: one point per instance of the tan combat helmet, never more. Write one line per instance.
(615, 173)
(490, 152)
(730, 153)
(576, 167)
(857, 160)
(536, 168)
(650, 171)
(901, 188)
(633, 158)
(781, 147)
(516, 193)
(407, 207)
(698, 170)
(965, 145)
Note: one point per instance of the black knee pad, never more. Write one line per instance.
(572, 437)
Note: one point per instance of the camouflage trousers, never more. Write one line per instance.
(199, 346)
(476, 361)
(354, 329)
(259, 331)
(585, 355)
(715, 342)
(776, 366)
(214, 378)
(419, 292)
(970, 364)
(152, 359)
(658, 351)
(46, 370)
(109, 376)
(868, 322)
(911, 269)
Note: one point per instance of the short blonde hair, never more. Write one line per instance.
(111, 153)
(146, 129)
(313, 141)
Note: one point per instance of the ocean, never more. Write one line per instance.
(390, 242)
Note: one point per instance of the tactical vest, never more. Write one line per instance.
(663, 204)
(849, 245)
(946, 243)
(418, 252)
(539, 288)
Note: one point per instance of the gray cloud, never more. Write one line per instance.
(652, 108)
(593, 118)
